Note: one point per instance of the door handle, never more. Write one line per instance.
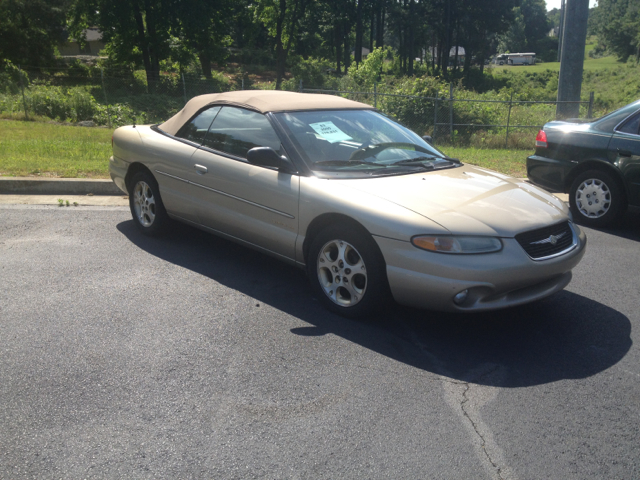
(624, 153)
(201, 169)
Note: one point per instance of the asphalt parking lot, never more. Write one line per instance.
(191, 357)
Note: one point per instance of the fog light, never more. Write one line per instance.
(459, 298)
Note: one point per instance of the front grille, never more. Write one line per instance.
(548, 241)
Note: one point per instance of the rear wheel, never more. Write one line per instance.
(146, 205)
(596, 199)
(347, 272)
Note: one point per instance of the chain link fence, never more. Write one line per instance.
(465, 121)
(108, 98)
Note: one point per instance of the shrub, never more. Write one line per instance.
(10, 77)
(72, 104)
(118, 115)
(77, 69)
(312, 72)
(369, 70)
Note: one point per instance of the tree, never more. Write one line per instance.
(514, 39)
(530, 27)
(131, 29)
(31, 29)
(536, 22)
(201, 23)
(619, 27)
(483, 21)
(553, 17)
(281, 17)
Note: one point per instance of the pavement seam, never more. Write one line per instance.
(467, 415)
(446, 378)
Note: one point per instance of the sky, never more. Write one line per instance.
(551, 4)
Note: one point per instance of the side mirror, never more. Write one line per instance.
(428, 139)
(268, 157)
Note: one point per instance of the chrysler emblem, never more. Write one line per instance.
(552, 239)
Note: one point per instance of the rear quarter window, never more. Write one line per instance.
(631, 126)
(196, 129)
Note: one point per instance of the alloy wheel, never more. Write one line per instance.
(144, 204)
(342, 273)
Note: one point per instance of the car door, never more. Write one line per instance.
(174, 168)
(624, 152)
(256, 204)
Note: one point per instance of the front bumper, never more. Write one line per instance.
(504, 279)
(548, 173)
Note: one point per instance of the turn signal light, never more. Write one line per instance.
(541, 139)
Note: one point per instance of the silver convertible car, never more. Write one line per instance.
(370, 209)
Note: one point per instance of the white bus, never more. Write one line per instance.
(516, 59)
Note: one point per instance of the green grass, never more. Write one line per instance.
(46, 149)
(510, 162)
(589, 63)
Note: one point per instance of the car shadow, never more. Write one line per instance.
(627, 227)
(566, 336)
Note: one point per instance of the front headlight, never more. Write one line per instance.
(457, 244)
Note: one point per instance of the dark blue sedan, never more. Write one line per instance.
(596, 161)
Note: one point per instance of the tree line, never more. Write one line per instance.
(148, 32)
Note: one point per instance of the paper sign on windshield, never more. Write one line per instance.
(330, 132)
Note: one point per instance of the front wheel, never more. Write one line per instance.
(596, 199)
(347, 272)
(146, 205)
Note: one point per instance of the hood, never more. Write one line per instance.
(469, 200)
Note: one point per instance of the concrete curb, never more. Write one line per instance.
(57, 186)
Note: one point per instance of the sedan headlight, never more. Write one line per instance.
(457, 244)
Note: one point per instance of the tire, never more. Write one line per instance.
(596, 199)
(147, 209)
(347, 272)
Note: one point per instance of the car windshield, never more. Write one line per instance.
(358, 143)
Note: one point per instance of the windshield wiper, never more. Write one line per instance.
(419, 161)
(338, 163)
(410, 161)
(416, 161)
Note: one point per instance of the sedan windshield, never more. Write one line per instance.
(359, 142)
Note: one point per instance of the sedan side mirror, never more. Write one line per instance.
(268, 157)
(428, 139)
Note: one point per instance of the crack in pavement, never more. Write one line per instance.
(466, 398)
(483, 444)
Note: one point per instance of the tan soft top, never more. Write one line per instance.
(262, 101)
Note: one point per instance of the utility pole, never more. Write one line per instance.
(574, 38)
(561, 30)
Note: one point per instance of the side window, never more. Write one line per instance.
(196, 129)
(632, 125)
(236, 131)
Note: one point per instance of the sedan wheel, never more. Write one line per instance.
(596, 199)
(347, 271)
(342, 273)
(146, 205)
